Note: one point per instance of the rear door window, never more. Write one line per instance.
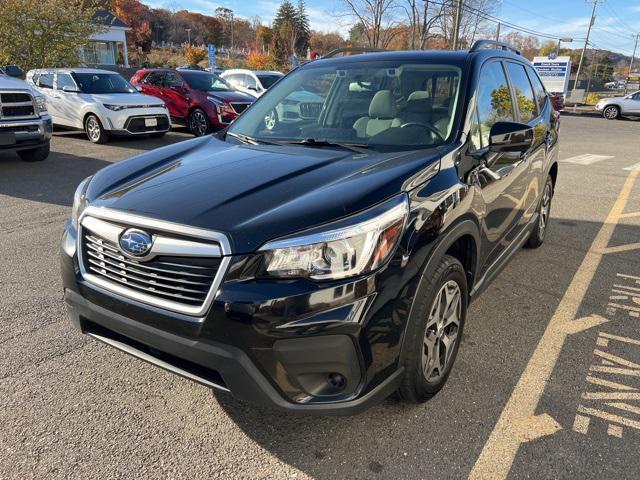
(64, 80)
(538, 88)
(45, 80)
(527, 105)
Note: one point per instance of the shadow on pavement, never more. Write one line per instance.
(52, 181)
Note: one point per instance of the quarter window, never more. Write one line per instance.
(45, 80)
(494, 99)
(64, 80)
(524, 92)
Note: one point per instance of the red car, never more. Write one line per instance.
(200, 100)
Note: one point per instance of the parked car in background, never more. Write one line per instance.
(12, 71)
(298, 106)
(616, 107)
(100, 102)
(25, 124)
(201, 100)
(253, 82)
(557, 100)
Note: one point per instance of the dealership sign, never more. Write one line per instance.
(554, 72)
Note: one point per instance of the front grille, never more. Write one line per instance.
(183, 280)
(310, 110)
(137, 125)
(16, 105)
(19, 128)
(239, 107)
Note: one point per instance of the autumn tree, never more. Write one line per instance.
(325, 42)
(132, 12)
(44, 33)
(193, 54)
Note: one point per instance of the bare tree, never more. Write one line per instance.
(423, 16)
(377, 18)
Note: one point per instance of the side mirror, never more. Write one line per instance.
(510, 137)
(253, 87)
(70, 89)
(139, 88)
(14, 71)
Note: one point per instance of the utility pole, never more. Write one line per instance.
(456, 27)
(189, 35)
(498, 33)
(584, 49)
(635, 47)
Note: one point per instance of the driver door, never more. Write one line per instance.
(501, 178)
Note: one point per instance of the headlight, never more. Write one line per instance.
(79, 201)
(41, 103)
(115, 108)
(345, 249)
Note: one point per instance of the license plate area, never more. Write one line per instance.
(150, 122)
(7, 138)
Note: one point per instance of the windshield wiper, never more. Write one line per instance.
(251, 140)
(313, 142)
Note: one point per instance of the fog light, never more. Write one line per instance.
(336, 380)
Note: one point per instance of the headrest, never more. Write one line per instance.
(418, 95)
(419, 102)
(382, 105)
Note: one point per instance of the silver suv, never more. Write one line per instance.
(617, 107)
(25, 124)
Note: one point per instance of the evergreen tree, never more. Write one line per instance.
(304, 30)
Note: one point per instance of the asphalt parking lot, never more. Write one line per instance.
(546, 385)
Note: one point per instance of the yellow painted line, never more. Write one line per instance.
(611, 336)
(609, 384)
(625, 406)
(616, 359)
(616, 370)
(626, 287)
(614, 430)
(630, 215)
(625, 307)
(621, 248)
(609, 417)
(581, 424)
(501, 448)
(611, 395)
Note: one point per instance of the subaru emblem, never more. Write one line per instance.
(135, 242)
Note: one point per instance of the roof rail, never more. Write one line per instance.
(351, 51)
(480, 44)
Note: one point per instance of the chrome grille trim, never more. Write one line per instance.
(163, 284)
(7, 102)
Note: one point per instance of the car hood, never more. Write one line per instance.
(10, 83)
(123, 98)
(231, 96)
(254, 193)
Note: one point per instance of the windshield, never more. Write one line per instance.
(387, 105)
(268, 80)
(102, 83)
(207, 82)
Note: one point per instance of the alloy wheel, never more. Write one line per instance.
(545, 208)
(93, 129)
(198, 123)
(441, 335)
(270, 120)
(611, 113)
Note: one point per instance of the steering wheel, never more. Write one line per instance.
(426, 127)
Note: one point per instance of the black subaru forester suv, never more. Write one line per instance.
(320, 265)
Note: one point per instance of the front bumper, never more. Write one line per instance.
(277, 345)
(26, 134)
(131, 121)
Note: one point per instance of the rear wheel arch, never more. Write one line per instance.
(553, 173)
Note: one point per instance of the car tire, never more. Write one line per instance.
(94, 130)
(426, 367)
(611, 112)
(199, 123)
(35, 154)
(544, 210)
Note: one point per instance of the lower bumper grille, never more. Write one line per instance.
(138, 125)
(239, 107)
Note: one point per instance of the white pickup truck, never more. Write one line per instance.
(25, 124)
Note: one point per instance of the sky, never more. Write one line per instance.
(616, 20)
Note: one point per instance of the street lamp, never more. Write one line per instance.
(189, 35)
(565, 40)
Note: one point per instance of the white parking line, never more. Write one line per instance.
(586, 159)
(633, 168)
